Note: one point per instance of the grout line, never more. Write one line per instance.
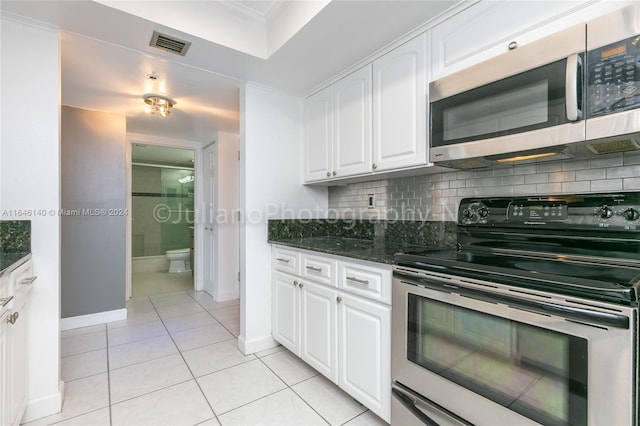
(290, 387)
(193, 377)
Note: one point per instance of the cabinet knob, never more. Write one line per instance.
(334, 173)
(513, 45)
(338, 299)
(295, 283)
(374, 166)
(328, 174)
(300, 285)
(13, 318)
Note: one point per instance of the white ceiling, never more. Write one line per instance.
(106, 52)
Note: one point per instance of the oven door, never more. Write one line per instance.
(509, 363)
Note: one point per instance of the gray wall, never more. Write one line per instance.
(93, 193)
(437, 196)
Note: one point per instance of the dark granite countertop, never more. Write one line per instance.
(10, 261)
(15, 244)
(372, 251)
(375, 241)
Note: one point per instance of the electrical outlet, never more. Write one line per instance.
(370, 201)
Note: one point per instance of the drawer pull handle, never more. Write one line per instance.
(5, 301)
(354, 279)
(314, 268)
(279, 259)
(28, 281)
(13, 318)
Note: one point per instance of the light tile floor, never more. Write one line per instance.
(175, 361)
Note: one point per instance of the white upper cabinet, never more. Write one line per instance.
(400, 106)
(318, 135)
(372, 120)
(487, 28)
(338, 129)
(352, 123)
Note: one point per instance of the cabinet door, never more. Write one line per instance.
(318, 136)
(352, 123)
(285, 311)
(5, 368)
(486, 29)
(364, 333)
(18, 373)
(400, 106)
(319, 329)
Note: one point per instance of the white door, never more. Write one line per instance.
(400, 106)
(319, 329)
(364, 358)
(209, 220)
(352, 123)
(285, 311)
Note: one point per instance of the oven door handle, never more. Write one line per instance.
(570, 313)
(411, 406)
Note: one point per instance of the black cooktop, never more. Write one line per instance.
(561, 275)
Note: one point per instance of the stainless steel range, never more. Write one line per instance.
(532, 320)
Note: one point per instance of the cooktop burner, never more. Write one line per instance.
(579, 245)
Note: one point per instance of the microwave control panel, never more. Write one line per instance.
(613, 77)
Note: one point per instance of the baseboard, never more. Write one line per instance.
(149, 264)
(248, 347)
(45, 406)
(93, 319)
(223, 297)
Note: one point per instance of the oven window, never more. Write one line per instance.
(539, 373)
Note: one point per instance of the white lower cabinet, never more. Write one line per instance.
(339, 327)
(13, 345)
(5, 390)
(285, 323)
(318, 341)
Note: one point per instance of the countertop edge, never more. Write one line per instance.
(15, 265)
(381, 259)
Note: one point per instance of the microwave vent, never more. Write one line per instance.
(466, 164)
(611, 146)
(170, 44)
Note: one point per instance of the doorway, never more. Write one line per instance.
(163, 182)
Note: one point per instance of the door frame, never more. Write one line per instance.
(198, 195)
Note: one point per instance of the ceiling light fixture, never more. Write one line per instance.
(158, 103)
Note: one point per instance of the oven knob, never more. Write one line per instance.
(631, 214)
(604, 212)
(468, 214)
(483, 212)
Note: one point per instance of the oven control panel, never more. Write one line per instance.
(523, 211)
(612, 211)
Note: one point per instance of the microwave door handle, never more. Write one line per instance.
(574, 65)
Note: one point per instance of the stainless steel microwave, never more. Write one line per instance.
(545, 99)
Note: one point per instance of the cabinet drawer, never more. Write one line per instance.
(319, 269)
(285, 260)
(21, 282)
(368, 281)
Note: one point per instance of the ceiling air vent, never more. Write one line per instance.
(170, 44)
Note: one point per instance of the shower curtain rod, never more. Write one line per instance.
(164, 166)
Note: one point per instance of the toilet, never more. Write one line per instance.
(178, 260)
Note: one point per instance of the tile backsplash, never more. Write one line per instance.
(435, 197)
